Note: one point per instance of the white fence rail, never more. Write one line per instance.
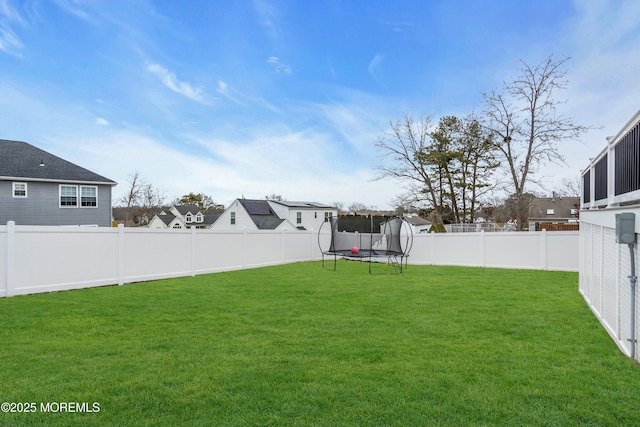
(605, 267)
(36, 259)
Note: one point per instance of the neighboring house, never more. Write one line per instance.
(305, 215)
(38, 188)
(183, 216)
(418, 224)
(273, 215)
(553, 210)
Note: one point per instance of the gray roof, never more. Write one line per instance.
(21, 160)
(309, 205)
(185, 209)
(261, 214)
(561, 206)
(416, 220)
(166, 218)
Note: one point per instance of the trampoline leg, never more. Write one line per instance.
(335, 258)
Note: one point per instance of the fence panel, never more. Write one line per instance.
(61, 258)
(300, 246)
(217, 251)
(561, 251)
(515, 250)
(151, 254)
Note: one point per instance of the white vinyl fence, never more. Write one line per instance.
(605, 267)
(534, 250)
(36, 259)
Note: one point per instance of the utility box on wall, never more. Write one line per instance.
(625, 228)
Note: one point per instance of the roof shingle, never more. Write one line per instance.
(22, 160)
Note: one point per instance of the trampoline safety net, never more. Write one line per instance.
(392, 241)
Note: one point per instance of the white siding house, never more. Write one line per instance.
(273, 215)
(304, 215)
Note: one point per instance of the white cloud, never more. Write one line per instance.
(74, 7)
(170, 80)
(267, 16)
(602, 74)
(374, 65)
(230, 93)
(101, 121)
(274, 61)
(240, 98)
(10, 43)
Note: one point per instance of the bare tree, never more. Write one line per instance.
(405, 144)
(150, 197)
(570, 187)
(356, 207)
(133, 195)
(275, 197)
(527, 125)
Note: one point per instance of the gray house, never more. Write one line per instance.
(38, 188)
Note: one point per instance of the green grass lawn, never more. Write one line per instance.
(299, 345)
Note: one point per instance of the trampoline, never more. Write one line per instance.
(391, 244)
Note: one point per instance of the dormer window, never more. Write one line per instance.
(188, 217)
(199, 217)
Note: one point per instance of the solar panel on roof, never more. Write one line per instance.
(257, 207)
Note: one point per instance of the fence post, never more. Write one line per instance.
(11, 257)
(611, 171)
(120, 254)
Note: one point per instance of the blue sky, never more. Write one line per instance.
(250, 98)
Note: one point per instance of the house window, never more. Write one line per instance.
(199, 217)
(233, 218)
(328, 216)
(19, 189)
(89, 197)
(188, 217)
(68, 196)
(550, 211)
(315, 215)
(177, 225)
(299, 217)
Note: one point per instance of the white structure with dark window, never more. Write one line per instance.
(613, 177)
(305, 215)
(38, 188)
(611, 186)
(274, 215)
